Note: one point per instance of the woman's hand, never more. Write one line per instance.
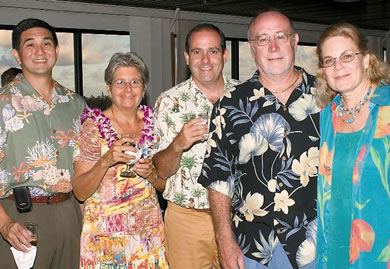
(145, 168)
(117, 152)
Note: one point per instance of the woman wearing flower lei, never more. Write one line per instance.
(122, 221)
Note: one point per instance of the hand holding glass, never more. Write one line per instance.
(129, 172)
(200, 114)
(33, 229)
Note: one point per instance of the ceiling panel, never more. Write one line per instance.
(370, 14)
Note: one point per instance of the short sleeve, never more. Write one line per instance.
(218, 169)
(88, 147)
(163, 123)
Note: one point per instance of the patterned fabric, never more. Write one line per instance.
(37, 138)
(369, 240)
(264, 155)
(173, 109)
(122, 224)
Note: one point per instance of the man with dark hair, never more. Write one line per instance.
(40, 119)
(189, 228)
(9, 75)
(262, 157)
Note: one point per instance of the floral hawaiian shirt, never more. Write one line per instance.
(369, 244)
(173, 109)
(37, 138)
(264, 155)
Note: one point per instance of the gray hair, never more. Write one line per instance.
(129, 59)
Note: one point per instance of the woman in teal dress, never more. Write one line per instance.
(353, 185)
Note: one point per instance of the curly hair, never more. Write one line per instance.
(378, 71)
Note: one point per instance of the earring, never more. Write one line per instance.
(368, 73)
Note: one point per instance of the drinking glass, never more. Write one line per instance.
(33, 229)
(129, 171)
(199, 114)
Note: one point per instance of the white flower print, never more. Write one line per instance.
(272, 185)
(252, 206)
(219, 122)
(251, 145)
(236, 220)
(266, 248)
(210, 144)
(257, 94)
(303, 107)
(273, 128)
(307, 165)
(227, 92)
(306, 252)
(283, 201)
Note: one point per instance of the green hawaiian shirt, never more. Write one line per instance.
(173, 109)
(37, 138)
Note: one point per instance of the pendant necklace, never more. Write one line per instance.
(342, 111)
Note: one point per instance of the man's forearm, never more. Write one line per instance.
(220, 205)
(167, 161)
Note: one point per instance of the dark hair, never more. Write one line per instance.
(123, 60)
(9, 75)
(209, 27)
(28, 24)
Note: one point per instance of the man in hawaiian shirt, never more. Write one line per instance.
(262, 157)
(189, 229)
(37, 133)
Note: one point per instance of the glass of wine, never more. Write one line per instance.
(129, 172)
(33, 229)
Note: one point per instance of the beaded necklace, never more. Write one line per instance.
(342, 111)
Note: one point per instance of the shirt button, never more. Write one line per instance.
(278, 231)
(284, 108)
(284, 158)
(280, 184)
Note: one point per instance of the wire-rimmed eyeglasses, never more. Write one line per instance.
(345, 57)
(121, 84)
(264, 39)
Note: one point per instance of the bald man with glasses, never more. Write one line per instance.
(262, 157)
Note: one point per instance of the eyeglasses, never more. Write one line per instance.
(264, 39)
(121, 84)
(345, 57)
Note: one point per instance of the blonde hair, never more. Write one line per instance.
(378, 71)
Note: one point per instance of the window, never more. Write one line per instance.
(227, 70)
(6, 59)
(97, 50)
(247, 66)
(64, 71)
(306, 57)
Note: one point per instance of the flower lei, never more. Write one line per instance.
(107, 132)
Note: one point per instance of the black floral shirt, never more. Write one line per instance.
(264, 155)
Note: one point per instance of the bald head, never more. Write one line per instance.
(265, 18)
